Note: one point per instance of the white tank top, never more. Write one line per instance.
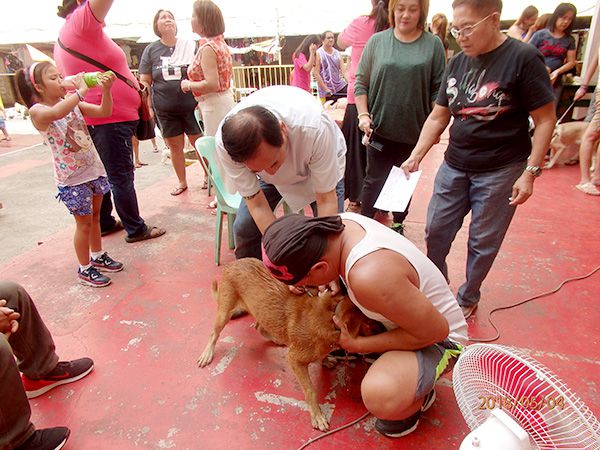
(431, 281)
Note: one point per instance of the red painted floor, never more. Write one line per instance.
(147, 329)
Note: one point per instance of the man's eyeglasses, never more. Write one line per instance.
(468, 30)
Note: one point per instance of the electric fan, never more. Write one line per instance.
(512, 402)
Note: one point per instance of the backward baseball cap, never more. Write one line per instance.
(292, 244)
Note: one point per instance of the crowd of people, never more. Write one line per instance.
(279, 144)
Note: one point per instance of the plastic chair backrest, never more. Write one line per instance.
(206, 148)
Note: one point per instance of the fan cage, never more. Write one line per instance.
(488, 376)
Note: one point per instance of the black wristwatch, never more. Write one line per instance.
(536, 171)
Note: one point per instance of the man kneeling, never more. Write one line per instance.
(391, 281)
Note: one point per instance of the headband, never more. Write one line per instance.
(31, 73)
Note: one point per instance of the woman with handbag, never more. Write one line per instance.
(162, 67)
(81, 46)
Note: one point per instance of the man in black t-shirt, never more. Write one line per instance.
(490, 89)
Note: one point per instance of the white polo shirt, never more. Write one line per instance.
(316, 156)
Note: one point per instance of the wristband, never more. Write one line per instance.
(363, 114)
(79, 95)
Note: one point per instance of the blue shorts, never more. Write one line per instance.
(78, 198)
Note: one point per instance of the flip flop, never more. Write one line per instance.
(212, 205)
(205, 184)
(150, 233)
(588, 188)
(178, 190)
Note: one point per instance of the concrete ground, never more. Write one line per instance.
(147, 329)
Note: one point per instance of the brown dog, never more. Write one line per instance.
(564, 147)
(303, 323)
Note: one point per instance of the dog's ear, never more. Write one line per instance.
(353, 322)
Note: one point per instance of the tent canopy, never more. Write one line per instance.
(36, 21)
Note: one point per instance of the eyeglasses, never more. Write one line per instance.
(468, 30)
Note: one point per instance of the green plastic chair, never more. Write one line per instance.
(227, 204)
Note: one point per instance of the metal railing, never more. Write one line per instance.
(247, 79)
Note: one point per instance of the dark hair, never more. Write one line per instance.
(67, 7)
(155, 21)
(245, 130)
(485, 6)
(560, 11)
(528, 12)
(380, 14)
(25, 89)
(209, 17)
(304, 46)
(423, 13)
(324, 34)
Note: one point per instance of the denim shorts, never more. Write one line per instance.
(434, 361)
(78, 198)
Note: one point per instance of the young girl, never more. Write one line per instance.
(78, 170)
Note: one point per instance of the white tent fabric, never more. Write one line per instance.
(31, 21)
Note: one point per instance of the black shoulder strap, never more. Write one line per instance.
(97, 64)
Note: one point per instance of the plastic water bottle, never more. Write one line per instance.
(90, 79)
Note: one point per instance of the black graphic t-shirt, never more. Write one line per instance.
(490, 97)
(167, 96)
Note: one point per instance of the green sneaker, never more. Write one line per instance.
(398, 227)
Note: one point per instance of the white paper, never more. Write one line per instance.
(397, 190)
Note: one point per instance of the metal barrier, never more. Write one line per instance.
(247, 79)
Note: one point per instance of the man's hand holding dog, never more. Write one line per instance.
(347, 342)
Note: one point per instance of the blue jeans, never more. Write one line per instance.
(113, 142)
(486, 194)
(248, 236)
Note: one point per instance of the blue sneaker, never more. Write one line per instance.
(91, 277)
(105, 263)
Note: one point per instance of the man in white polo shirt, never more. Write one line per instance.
(279, 143)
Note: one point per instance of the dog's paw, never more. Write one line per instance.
(319, 421)
(205, 359)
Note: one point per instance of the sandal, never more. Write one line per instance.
(205, 184)
(179, 190)
(588, 188)
(212, 205)
(150, 233)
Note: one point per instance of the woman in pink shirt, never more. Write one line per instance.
(356, 36)
(304, 59)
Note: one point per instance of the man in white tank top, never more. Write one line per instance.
(391, 281)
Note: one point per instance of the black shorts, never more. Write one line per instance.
(175, 124)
